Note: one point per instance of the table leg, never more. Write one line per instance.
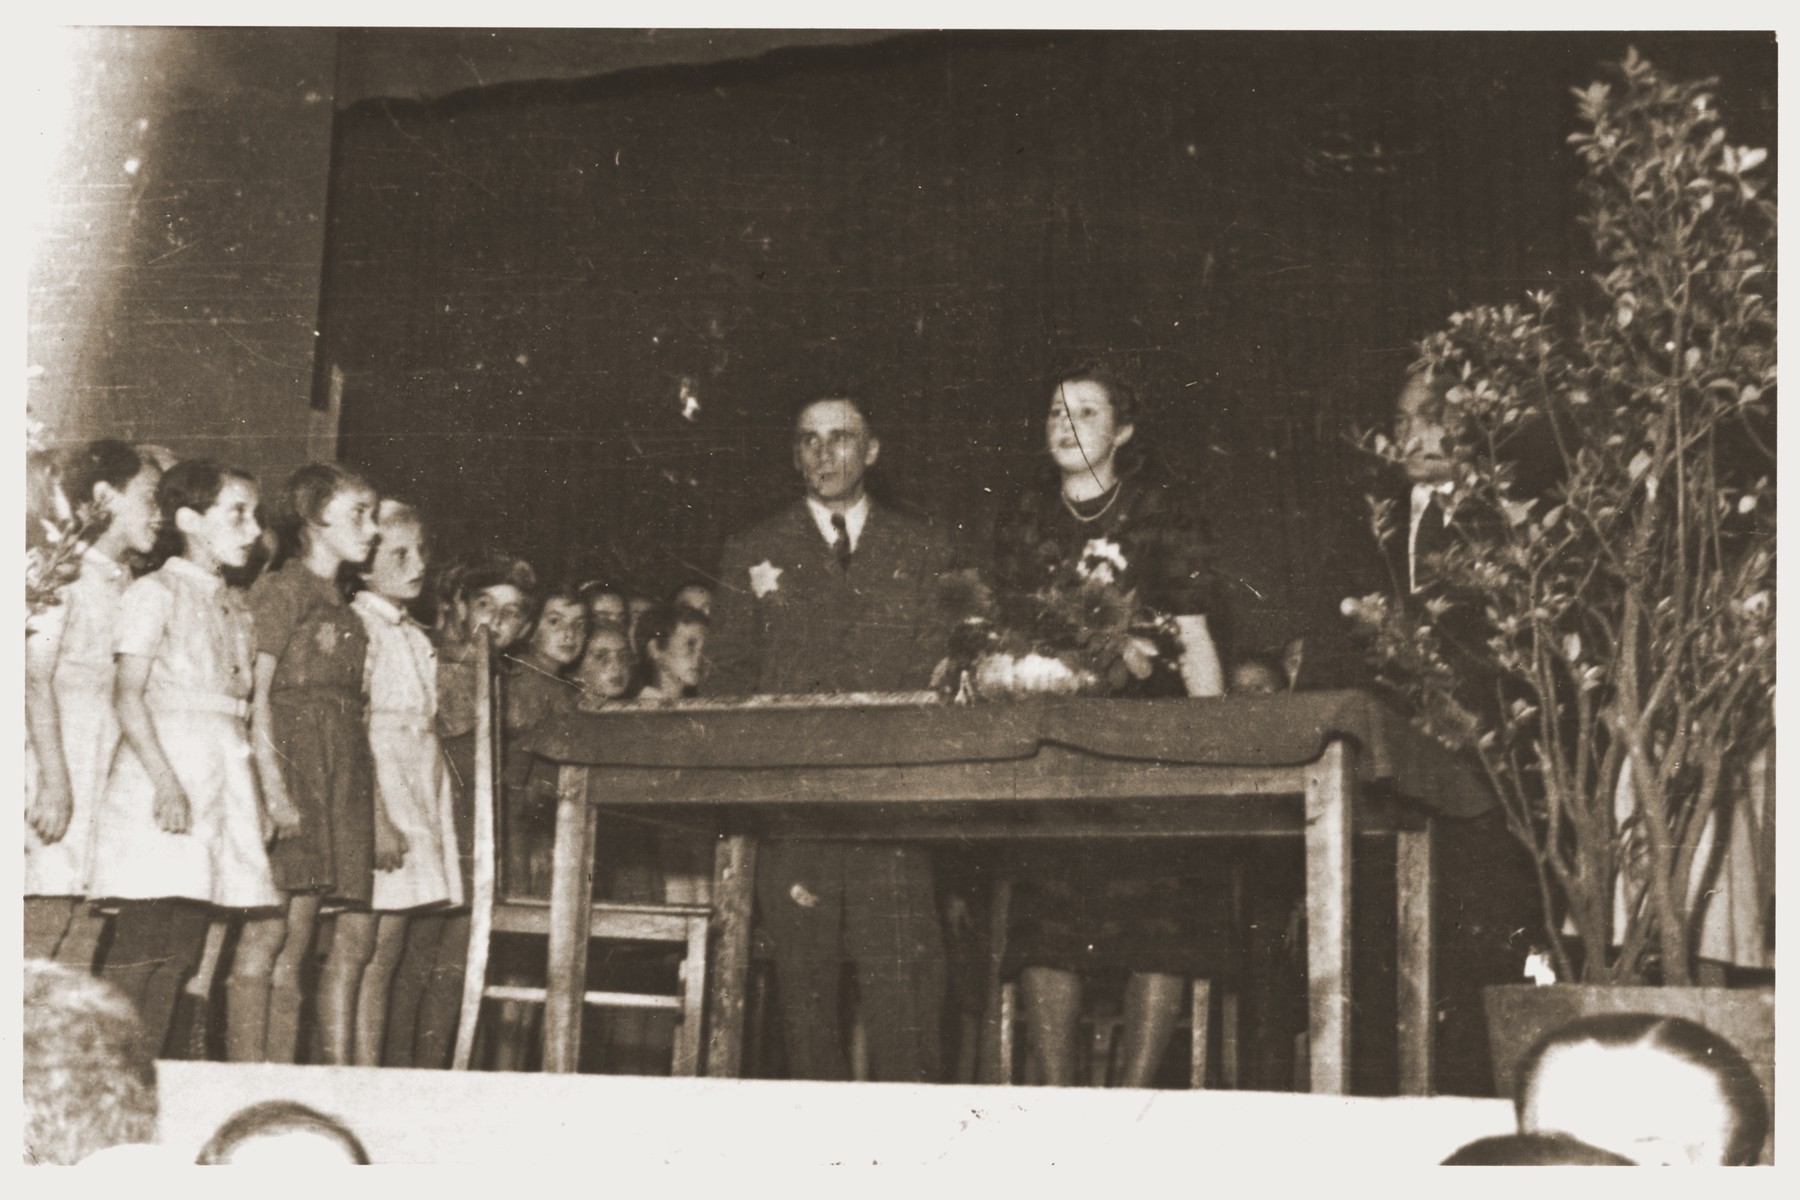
(1414, 886)
(571, 903)
(1328, 837)
(734, 892)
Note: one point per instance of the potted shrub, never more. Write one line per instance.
(1603, 642)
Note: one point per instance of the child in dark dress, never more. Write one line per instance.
(312, 753)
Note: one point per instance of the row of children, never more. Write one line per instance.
(289, 756)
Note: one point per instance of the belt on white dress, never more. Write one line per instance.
(169, 700)
(412, 720)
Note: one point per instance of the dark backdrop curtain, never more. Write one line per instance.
(523, 282)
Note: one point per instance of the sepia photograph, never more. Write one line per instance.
(760, 597)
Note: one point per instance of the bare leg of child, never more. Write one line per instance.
(352, 944)
(1051, 1001)
(441, 1005)
(271, 953)
(377, 985)
(1152, 1007)
(406, 994)
(247, 988)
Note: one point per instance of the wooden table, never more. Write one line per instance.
(1279, 766)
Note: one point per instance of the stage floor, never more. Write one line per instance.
(633, 1123)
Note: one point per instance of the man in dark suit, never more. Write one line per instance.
(1486, 884)
(837, 594)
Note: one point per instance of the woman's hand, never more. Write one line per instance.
(51, 809)
(171, 807)
(390, 844)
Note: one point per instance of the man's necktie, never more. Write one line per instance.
(840, 545)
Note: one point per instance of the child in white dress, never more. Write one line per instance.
(180, 825)
(411, 777)
(68, 701)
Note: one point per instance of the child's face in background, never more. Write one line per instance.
(346, 527)
(1254, 679)
(223, 534)
(606, 608)
(677, 661)
(561, 629)
(695, 597)
(605, 669)
(397, 572)
(499, 609)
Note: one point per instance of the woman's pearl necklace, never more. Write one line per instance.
(1076, 513)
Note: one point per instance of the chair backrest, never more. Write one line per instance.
(488, 723)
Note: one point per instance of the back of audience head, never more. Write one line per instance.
(1534, 1150)
(282, 1133)
(493, 591)
(1658, 1090)
(90, 1082)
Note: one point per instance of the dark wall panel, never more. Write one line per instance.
(522, 281)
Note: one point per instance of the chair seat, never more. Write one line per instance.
(625, 922)
(526, 994)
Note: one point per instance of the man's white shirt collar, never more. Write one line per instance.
(855, 517)
(1422, 496)
(1424, 493)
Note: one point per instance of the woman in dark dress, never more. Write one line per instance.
(1121, 906)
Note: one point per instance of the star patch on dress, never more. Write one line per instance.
(326, 638)
(765, 577)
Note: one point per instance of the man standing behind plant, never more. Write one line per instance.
(835, 593)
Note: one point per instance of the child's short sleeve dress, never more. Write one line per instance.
(80, 632)
(196, 632)
(411, 777)
(316, 711)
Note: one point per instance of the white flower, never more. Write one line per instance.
(994, 674)
(1107, 549)
(1101, 560)
(1036, 673)
(765, 577)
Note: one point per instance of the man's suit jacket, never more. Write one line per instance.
(790, 619)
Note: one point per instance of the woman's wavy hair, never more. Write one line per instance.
(1127, 405)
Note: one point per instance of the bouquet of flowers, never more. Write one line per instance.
(55, 533)
(1079, 634)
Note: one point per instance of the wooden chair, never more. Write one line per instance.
(1003, 1023)
(492, 913)
(1104, 1034)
